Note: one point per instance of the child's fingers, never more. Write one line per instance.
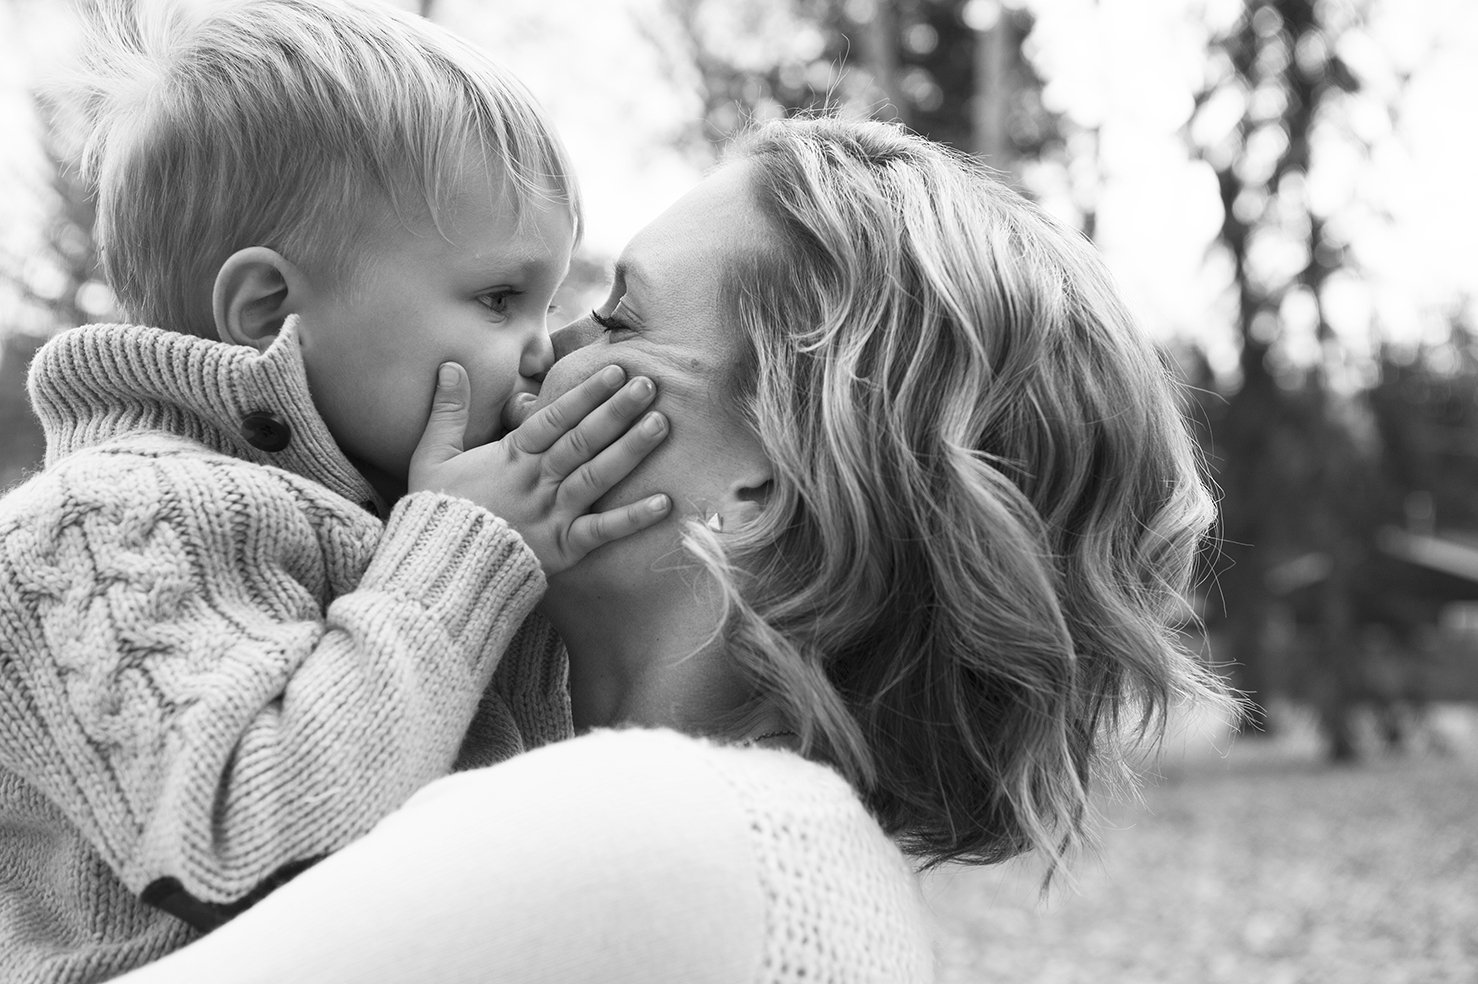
(601, 426)
(593, 479)
(447, 425)
(597, 529)
(539, 432)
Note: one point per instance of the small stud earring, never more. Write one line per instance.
(715, 523)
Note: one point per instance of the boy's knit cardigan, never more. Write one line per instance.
(219, 662)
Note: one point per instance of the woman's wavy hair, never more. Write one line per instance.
(966, 585)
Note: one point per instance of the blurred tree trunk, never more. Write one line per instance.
(1242, 437)
(1296, 473)
(995, 51)
(1345, 475)
(1245, 434)
(1334, 688)
(875, 22)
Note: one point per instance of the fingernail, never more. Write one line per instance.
(642, 388)
(446, 375)
(653, 424)
(658, 503)
(612, 375)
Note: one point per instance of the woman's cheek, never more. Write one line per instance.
(562, 377)
(651, 475)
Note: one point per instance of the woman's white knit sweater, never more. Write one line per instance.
(619, 857)
(218, 662)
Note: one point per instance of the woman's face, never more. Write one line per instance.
(664, 319)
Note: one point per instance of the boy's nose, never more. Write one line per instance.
(538, 356)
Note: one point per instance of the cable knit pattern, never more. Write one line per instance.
(216, 661)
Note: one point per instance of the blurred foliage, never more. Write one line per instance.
(64, 280)
(1314, 459)
(1426, 420)
(952, 69)
(60, 286)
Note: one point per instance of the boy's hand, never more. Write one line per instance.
(542, 477)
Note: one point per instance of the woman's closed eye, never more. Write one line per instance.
(611, 323)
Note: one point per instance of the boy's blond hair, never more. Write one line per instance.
(291, 124)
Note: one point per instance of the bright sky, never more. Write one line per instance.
(1128, 67)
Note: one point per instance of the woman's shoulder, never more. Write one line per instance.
(830, 874)
(839, 900)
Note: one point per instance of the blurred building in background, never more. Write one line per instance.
(1278, 184)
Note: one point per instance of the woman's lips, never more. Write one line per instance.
(518, 408)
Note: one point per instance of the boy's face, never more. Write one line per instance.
(372, 340)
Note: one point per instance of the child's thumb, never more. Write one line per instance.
(447, 425)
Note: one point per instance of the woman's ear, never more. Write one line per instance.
(745, 499)
(255, 290)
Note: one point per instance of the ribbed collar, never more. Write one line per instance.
(98, 382)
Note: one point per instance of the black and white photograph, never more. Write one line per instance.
(738, 492)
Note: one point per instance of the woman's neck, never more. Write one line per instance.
(643, 656)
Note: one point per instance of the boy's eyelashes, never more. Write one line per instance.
(498, 299)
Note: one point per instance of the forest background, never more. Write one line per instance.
(1283, 189)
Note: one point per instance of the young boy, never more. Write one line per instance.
(258, 594)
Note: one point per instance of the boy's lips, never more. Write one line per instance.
(518, 408)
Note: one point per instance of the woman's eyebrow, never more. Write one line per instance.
(626, 272)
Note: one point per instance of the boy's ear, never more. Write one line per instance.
(255, 290)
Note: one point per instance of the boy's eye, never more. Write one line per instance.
(497, 301)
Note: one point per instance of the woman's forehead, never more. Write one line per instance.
(700, 234)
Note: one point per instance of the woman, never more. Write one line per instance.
(936, 508)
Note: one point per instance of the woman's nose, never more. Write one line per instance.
(573, 336)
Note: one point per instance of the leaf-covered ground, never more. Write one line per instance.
(1263, 867)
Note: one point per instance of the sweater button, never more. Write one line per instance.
(266, 431)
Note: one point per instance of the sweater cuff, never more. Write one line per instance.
(468, 568)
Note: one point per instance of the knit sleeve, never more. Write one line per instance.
(217, 669)
(528, 704)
